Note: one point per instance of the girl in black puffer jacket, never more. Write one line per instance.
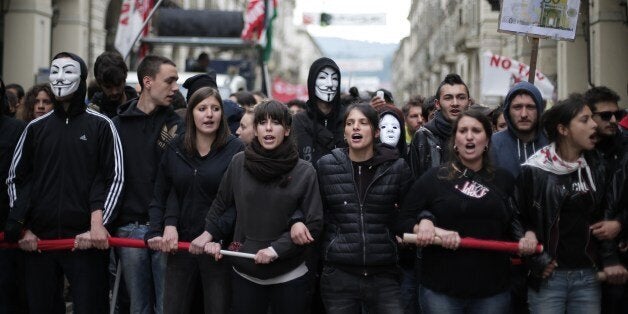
(361, 188)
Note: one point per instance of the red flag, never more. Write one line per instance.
(132, 17)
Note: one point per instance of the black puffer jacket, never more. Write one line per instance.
(540, 198)
(358, 232)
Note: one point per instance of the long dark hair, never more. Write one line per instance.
(454, 164)
(222, 134)
(561, 114)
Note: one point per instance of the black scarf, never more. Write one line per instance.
(443, 127)
(268, 165)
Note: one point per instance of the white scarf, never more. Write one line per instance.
(547, 159)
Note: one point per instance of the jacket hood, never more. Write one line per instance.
(395, 112)
(531, 90)
(77, 102)
(316, 67)
(129, 109)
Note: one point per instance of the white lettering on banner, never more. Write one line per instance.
(500, 73)
(253, 20)
(473, 189)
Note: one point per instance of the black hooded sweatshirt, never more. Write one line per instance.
(10, 130)
(317, 133)
(67, 164)
(144, 138)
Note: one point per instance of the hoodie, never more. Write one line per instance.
(507, 150)
(144, 138)
(402, 147)
(67, 164)
(317, 133)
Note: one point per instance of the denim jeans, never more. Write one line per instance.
(289, 297)
(439, 303)
(182, 272)
(409, 295)
(86, 271)
(567, 291)
(343, 292)
(143, 271)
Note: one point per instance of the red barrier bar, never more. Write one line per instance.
(471, 243)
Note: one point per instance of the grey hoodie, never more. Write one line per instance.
(507, 150)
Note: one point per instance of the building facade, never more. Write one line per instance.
(35, 30)
(452, 36)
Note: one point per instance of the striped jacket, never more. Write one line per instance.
(65, 166)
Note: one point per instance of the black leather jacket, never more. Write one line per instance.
(540, 201)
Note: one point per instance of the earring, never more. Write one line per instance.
(486, 148)
(455, 148)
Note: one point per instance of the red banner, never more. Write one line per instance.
(284, 91)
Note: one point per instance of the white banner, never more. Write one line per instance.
(346, 19)
(132, 17)
(500, 73)
(360, 65)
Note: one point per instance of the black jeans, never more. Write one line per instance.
(182, 271)
(289, 297)
(12, 294)
(345, 293)
(87, 274)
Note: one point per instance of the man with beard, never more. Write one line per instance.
(523, 107)
(604, 104)
(319, 129)
(64, 182)
(428, 143)
(110, 72)
(510, 148)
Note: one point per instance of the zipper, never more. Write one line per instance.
(361, 203)
(325, 123)
(62, 178)
(586, 246)
(556, 220)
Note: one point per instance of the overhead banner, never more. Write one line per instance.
(500, 73)
(556, 19)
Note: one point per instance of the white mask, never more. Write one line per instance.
(389, 130)
(65, 76)
(326, 84)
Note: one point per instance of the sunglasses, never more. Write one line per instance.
(607, 115)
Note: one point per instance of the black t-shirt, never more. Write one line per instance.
(470, 205)
(573, 223)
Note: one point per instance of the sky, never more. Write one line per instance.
(397, 24)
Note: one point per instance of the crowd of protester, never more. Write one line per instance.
(319, 193)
